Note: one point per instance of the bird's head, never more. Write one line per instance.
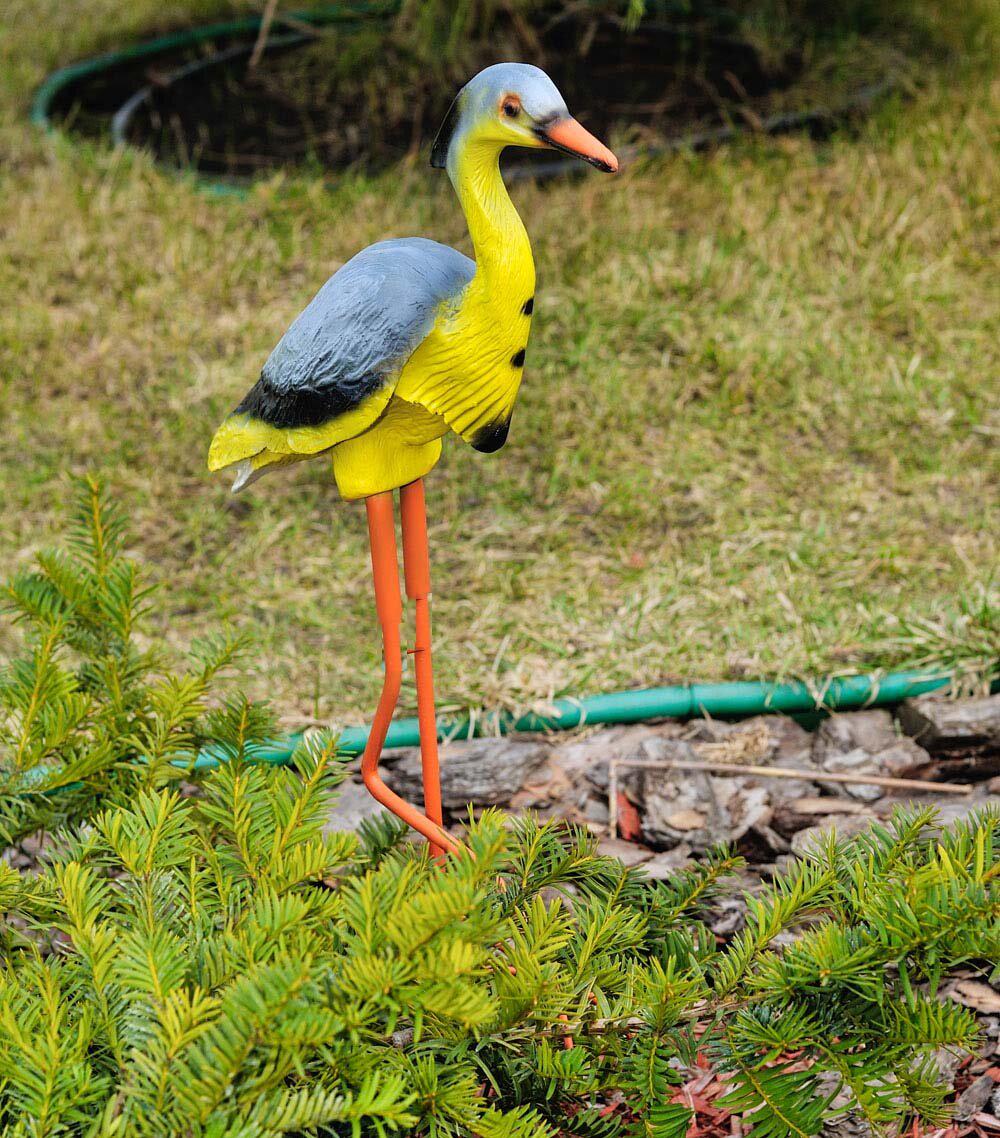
(516, 104)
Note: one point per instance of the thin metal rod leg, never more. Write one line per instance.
(389, 606)
(417, 571)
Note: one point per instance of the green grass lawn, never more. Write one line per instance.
(758, 433)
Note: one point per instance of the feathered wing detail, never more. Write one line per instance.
(473, 391)
(476, 407)
(333, 372)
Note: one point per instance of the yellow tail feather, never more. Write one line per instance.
(238, 438)
(241, 437)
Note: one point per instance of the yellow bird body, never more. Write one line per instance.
(463, 375)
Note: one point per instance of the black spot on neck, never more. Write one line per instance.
(491, 437)
(529, 306)
(517, 359)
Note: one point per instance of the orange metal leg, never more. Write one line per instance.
(417, 571)
(389, 605)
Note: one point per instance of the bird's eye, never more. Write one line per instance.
(511, 109)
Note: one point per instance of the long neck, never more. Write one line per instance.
(498, 234)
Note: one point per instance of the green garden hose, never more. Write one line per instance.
(682, 701)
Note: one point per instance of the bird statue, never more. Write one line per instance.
(409, 340)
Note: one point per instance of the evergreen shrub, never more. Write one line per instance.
(204, 959)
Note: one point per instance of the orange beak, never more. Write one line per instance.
(570, 137)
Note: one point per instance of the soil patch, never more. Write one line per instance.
(312, 100)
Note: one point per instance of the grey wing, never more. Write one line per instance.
(357, 332)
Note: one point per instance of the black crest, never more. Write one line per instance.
(439, 148)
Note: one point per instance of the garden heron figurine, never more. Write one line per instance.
(407, 341)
